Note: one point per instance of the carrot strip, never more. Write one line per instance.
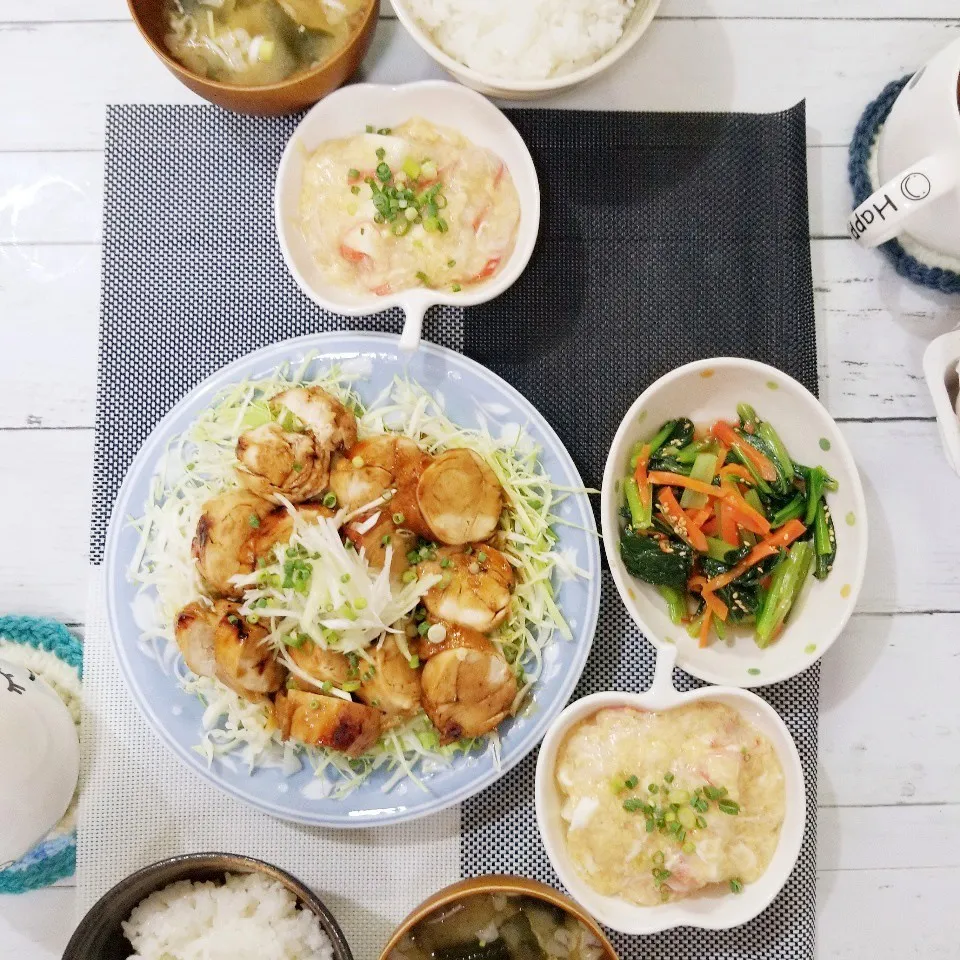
(698, 584)
(725, 434)
(727, 523)
(711, 527)
(677, 519)
(664, 478)
(705, 628)
(781, 538)
(739, 471)
(743, 513)
(699, 517)
(644, 489)
(714, 604)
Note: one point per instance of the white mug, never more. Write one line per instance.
(39, 760)
(918, 163)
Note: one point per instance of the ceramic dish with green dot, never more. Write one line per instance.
(784, 473)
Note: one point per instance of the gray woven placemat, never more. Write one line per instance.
(192, 278)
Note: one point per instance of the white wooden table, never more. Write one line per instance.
(889, 847)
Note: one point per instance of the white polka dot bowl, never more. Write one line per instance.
(709, 909)
(345, 113)
(706, 391)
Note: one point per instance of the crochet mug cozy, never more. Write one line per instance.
(864, 180)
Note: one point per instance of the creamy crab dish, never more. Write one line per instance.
(657, 806)
(413, 206)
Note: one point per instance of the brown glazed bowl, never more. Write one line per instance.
(100, 937)
(496, 883)
(298, 91)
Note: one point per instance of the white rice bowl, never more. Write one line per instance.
(523, 39)
(248, 917)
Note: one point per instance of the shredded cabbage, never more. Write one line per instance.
(317, 587)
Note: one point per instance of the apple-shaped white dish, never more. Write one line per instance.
(941, 366)
(706, 391)
(346, 113)
(715, 911)
(39, 760)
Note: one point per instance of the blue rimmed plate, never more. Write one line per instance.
(467, 388)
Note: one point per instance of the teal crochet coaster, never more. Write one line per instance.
(862, 146)
(48, 649)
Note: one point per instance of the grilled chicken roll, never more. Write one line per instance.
(474, 589)
(224, 528)
(352, 728)
(468, 686)
(460, 498)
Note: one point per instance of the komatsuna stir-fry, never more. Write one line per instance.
(367, 594)
(726, 520)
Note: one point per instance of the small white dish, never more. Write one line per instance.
(345, 113)
(505, 88)
(708, 911)
(706, 391)
(39, 760)
(941, 366)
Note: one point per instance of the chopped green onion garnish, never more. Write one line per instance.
(353, 173)
(736, 885)
(381, 153)
(408, 576)
(330, 500)
(254, 521)
(414, 662)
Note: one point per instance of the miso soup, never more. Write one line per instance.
(259, 42)
(485, 926)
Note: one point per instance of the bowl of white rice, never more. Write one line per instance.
(522, 49)
(208, 906)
